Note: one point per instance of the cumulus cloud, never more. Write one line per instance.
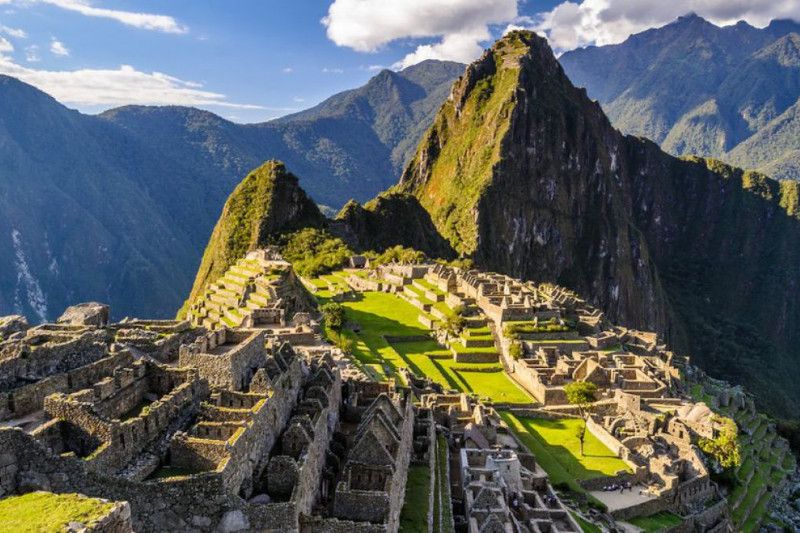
(570, 24)
(13, 32)
(332, 70)
(113, 87)
(146, 21)
(287, 70)
(460, 25)
(58, 48)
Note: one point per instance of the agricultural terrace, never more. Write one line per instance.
(556, 447)
(374, 316)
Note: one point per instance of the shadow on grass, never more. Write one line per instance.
(556, 448)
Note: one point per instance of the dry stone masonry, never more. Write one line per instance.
(243, 418)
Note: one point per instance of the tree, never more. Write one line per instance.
(333, 315)
(581, 394)
(724, 448)
(454, 322)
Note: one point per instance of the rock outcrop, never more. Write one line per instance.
(85, 314)
(525, 174)
(12, 324)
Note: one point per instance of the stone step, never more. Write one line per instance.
(258, 299)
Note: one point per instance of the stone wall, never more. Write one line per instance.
(226, 358)
(46, 352)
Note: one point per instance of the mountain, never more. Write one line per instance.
(266, 203)
(525, 174)
(100, 207)
(696, 88)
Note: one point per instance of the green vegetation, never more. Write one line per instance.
(581, 393)
(557, 449)
(514, 329)
(465, 137)
(313, 252)
(43, 512)
(724, 448)
(487, 380)
(377, 315)
(414, 516)
(333, 315)
(256, 212)
(442, 506)
(657, 522)
(396, 254)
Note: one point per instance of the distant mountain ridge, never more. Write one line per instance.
(700, 89)
(118, 207)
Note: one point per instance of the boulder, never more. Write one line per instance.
(86, 314)
(12, 324)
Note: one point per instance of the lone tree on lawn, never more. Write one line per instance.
(581, 393)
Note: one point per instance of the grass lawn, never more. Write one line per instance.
(656, 522)
(414, 516)
(557, 449)
(378, 314)
(43, 512)
(464, 377)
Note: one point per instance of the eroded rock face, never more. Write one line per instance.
(86, 314)
(12, 324)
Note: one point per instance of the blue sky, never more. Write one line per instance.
(251, 60)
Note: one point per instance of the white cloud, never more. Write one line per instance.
(461, 25)
(287, 70)
(58, 48)
(125, 85)
(146, 21)
(570, 24)
(375, 68)
(327, 70)
(298, 99)
(5, 46)
(13, 32)
(32, 54)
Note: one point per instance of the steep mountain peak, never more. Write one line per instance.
(524, 174)
(266, 203)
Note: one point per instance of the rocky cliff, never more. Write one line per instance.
(523, 172)
(268, 202)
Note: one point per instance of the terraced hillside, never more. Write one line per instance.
(390, 330)
(249, 286)
(767, 461)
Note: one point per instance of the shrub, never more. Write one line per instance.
(515, 350)
(399, 254)
(313, 252)
(333, 314)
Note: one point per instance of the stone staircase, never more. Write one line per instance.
(248, 285)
